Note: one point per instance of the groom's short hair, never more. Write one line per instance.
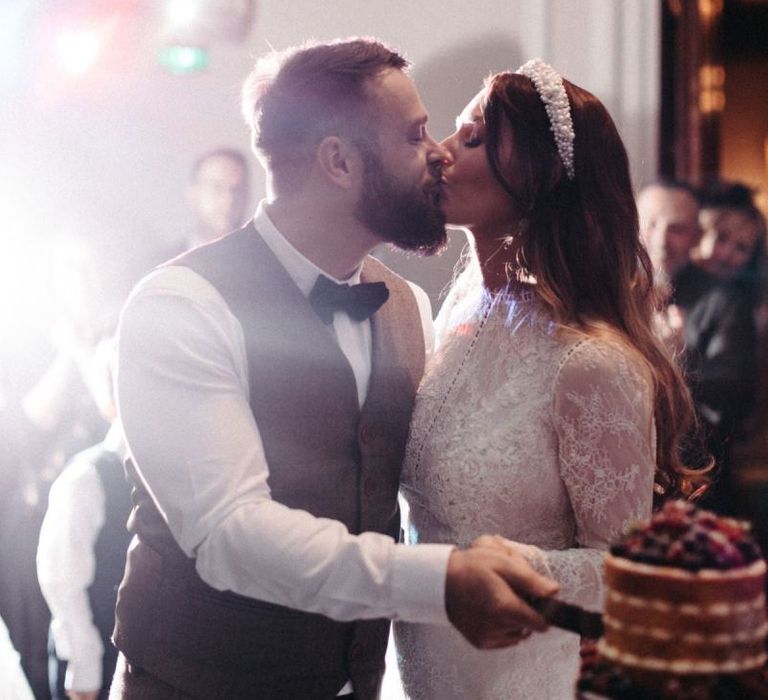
(295, 98)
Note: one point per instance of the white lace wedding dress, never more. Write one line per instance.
(538, 433)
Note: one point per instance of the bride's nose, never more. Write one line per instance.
(446, 154)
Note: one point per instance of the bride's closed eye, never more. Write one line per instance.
(472, 134)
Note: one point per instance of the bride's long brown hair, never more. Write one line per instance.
(581, 243)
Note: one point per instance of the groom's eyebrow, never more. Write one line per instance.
(418, 123)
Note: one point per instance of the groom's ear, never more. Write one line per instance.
(340, 161)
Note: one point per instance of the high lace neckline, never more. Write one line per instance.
(517, 301)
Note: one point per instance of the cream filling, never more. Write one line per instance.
(723, 638)
(713, 609)
(680, 666)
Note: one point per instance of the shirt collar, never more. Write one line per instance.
(301, 270)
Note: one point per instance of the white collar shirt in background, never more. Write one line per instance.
(66, 564)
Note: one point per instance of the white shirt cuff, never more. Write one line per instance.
(83, 675)
(418, 582)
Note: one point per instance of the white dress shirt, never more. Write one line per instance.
(182, 390)
(353, 337)
(66, 564)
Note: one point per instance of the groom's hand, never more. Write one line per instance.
(481, 596)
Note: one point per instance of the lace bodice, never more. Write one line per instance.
(536, 432)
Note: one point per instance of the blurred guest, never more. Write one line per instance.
(50, 415)
(734, 248)
(733, 242)
(706, 319)
(53, 413)
(13, 682)
(217, 194)
(80, 561)
(669, 224)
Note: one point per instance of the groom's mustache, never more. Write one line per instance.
(434, 189)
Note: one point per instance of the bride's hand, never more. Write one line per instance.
(531, 554)
(483, 595)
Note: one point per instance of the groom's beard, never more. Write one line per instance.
(409, 218)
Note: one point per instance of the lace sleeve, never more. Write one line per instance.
(603, 417)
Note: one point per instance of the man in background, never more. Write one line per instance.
(217, 194)
(669, 226)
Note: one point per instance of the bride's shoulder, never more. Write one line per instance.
(600, 352)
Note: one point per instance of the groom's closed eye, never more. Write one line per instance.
(418, 134)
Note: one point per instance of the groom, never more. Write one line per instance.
(265, 384)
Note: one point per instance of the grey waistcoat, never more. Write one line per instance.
(325, 456)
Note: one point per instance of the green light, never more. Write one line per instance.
(184, 59)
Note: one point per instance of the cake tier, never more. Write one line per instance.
(601, 679)
(667, 619)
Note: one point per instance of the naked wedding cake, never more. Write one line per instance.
(684, 612)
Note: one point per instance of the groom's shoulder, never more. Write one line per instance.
(376, 271)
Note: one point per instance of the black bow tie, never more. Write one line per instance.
(360, 301)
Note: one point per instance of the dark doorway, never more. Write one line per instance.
(714, 103)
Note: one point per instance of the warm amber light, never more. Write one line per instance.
(711, 84)
(711, 101)
(709, 9)
(712, 75)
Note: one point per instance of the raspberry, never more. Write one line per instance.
(681, 535)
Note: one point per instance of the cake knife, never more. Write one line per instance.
(568, 617)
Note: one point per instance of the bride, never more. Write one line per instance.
(550, 412)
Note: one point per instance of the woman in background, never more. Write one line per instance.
(732, 245)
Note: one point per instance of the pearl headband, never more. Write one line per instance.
(549, 85)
